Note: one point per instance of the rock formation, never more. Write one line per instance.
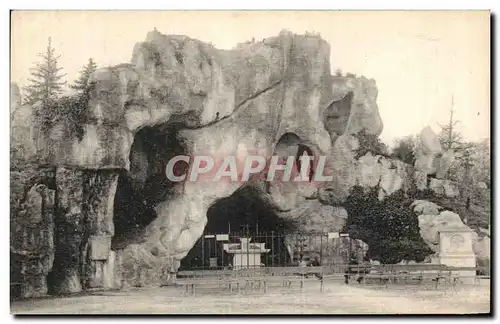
(97, 211)
(430, 224)
(430, 157)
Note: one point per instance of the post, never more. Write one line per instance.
(229, 240)
(257, 239)
(350, 247)
(222, 255)
(209, 253)
(203, 252)
(248, 245)
(272, 248)
(309, 246)
(281, 238)
(321, 250)
(216, 251)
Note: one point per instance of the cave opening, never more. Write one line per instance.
(290, 144)
(243, 214)
(146, 184)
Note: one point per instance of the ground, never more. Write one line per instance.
(336, 298)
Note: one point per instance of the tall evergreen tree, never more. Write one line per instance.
(450, 137)
(46, 82)
(80, 84)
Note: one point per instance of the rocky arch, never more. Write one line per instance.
(245, 211)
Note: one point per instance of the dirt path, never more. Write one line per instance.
(335, 299)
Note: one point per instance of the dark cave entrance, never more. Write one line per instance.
(243, 214)
(145, 185)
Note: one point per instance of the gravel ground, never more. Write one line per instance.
(336, 298)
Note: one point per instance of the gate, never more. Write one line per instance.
(245, 249)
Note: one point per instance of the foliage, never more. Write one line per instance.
(370, 143)
(71, 111)
(481, 160)
(46, 82)
(405, 149)
(474, 164)
(338, 72)
(471, 170)
(81, 83)
(450, 137)
(389, 227)
(475, 212)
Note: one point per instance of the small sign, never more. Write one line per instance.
(100, 246)
(333, 235)
(222, 237)
(210, 236)
(213, 262)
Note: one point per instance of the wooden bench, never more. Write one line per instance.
(259, 282)
(287, 281)
(190, 285)
(259, 277)
(404, 276)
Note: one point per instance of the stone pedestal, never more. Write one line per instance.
(108, 272)
(245, 254)
(455, 250)
(100, 260)
(100, 188)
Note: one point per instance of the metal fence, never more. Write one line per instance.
(241, 250)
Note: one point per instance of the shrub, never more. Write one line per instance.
(389, 227)
(404, 150)
(370, 143)
(71, 111)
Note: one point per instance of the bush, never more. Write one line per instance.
(370, 143)
(68, 110)
(404, 150)
(389, 227)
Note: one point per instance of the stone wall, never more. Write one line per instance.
(61, 228)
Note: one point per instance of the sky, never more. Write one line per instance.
(419, 59)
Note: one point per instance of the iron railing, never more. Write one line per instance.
(268, 249)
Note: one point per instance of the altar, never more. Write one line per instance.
(245, 254)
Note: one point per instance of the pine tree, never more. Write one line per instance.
(81, 83)
(46, 78)
(450, 137)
